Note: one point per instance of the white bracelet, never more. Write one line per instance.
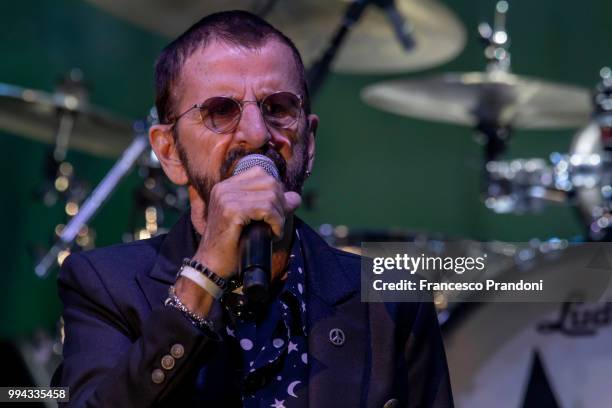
(202, 281)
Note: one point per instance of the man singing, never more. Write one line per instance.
(161, 322)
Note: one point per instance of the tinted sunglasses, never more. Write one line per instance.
(221, 114)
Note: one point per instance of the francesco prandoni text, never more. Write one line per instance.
(489, 284)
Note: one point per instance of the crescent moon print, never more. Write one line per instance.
(291, 387)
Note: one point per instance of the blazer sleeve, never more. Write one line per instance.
(105, 366)
(426, 368)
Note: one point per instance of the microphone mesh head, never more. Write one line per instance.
(260, 160)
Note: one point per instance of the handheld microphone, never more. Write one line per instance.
(256, 240)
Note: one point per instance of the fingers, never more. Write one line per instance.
(255, 196)
(264, 206)
(235, 202)
(292, 201)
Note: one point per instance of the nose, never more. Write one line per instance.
(252, 131)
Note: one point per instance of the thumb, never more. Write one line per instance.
(292, 201)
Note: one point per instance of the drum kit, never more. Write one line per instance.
(361, 36)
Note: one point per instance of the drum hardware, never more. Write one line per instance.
(497, 42)
(60, 178)
(67, 120)
(582, 177)
(34, 114)
(60, 182)
(155, 195)
(97, 198)
(76, 94)
(496, 39)
(354, 11)
(594, 197)
(496, 102)
(343, 238)
(571, 338)
(525, 185)
(493, 102)
(497, 99)
(370, 47)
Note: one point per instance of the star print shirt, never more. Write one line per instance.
(273, 343)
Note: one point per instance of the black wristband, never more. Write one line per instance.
(216, 279)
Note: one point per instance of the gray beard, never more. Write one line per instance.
(292, 178)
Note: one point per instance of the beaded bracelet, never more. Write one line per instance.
(195, 319)
(216, 279)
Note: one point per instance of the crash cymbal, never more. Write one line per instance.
(34, 114)
(371, 45)
(496, 98)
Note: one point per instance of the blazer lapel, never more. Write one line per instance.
(179, 243)
(336, 372)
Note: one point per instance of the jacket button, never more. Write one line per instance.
(392, 403)
(158, 376)
(177, 351)
(167, 362)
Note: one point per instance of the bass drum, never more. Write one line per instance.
(526, 355)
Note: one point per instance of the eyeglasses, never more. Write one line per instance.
(221, 114)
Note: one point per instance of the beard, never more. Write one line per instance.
(292, 175)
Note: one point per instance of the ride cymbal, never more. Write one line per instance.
(497, 98)
(34, 114)
(371, 46)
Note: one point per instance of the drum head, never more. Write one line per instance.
(494, 354)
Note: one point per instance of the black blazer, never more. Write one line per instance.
(117, 331)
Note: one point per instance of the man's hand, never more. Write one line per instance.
(250, 196)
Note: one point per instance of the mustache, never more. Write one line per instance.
(234, 155)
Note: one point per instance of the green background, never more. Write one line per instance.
(373, 169)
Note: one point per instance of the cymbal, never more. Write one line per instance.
(495, 97)
(34, 114)
(371, 46)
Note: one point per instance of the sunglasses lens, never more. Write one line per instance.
(220, 114)
(281, 109)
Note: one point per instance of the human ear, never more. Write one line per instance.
(163, 144)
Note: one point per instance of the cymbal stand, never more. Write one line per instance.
(95, 201)
(317, 74)
(488, 111)
(60, 180)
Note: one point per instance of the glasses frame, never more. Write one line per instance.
(241, 105)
